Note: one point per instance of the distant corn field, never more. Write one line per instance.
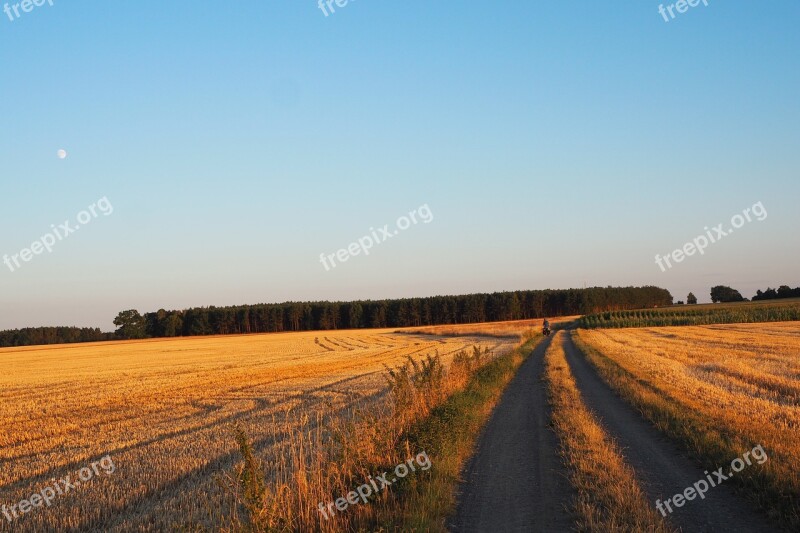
(696, 315)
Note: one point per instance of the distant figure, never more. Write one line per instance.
(546, 327)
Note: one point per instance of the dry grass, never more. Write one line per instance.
(721, 390)
(329, 457)
(428, 408)
(609, 496)
(163, 410)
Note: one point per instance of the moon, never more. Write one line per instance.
(62, 154)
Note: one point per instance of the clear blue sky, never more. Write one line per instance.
(556, 143)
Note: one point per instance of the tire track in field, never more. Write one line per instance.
(516, 480)
(661, 467)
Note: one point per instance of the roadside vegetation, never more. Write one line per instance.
(609, 496)
(696, 315)
(427, 408)
(720, 391)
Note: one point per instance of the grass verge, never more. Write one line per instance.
(449, 434)
(609, 496)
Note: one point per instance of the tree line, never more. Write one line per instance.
(724, 294)
(784, 291)
(51, 335)
(407, 312)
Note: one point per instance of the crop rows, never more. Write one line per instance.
(695, 315)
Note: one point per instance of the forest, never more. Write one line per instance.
(305, 316)
(51, 335)
(408, 312)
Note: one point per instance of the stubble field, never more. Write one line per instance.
(721, 390)
(509, 328)
(163, 411)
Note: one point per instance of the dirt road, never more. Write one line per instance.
(661, 467)
(517, 483)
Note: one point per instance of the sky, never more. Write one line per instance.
(226, 146)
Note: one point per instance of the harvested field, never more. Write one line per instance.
(511, 328)
(721, 390)
(162, 410)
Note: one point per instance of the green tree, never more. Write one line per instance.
(691, 299)
(724, 294)
(171, 324)
(131, 325)
(784, 291)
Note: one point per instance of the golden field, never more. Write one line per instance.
(163, 410)
(510, 328)
(722, 390)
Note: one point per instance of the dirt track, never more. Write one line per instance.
(661, 467)
(516, 481)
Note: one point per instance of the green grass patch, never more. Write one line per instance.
(448, 435)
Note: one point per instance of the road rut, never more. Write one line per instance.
(661, 467)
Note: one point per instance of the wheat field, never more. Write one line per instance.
(722, 389)
(510, 328)
(163, 409)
